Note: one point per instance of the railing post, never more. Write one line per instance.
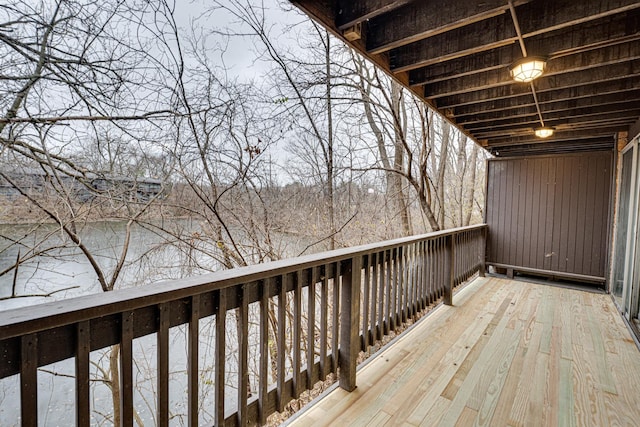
(349, 322)
(483, 255)
(449, 269)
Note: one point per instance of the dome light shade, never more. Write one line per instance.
(544, 132)
(527, 69)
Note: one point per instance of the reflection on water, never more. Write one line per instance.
(62, 271)
(62, 267)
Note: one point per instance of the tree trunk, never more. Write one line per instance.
(330, 178)
(471, 185)
(399, 112)
(442, 167)
(114, 371)
(461, 169)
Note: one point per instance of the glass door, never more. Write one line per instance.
(626, 263)
(632, 297)
(623, 225)
(625, 276)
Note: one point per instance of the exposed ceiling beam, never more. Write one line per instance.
(573, 124)
(352, 12)
(623, 113)
(516, 133)
(573, 94)
(562, 135)
(607, 32)
(419, 20)
(583, 61)
(489, 34)
(556, 147)
(544, 16)
(551, 83)
(594, 102)
(476, 38)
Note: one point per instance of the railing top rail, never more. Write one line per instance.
(24, 320)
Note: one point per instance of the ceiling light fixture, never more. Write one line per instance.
(544, 132)
(527, 69)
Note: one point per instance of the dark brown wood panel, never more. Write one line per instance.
(550, 214)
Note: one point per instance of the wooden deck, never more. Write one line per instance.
(508, 353)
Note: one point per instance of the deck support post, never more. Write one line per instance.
(349, 322)
(449, 272)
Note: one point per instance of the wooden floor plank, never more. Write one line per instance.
(588, 403)
(566, 416)
(565, 325)
(520, 401)
(495, 388)
(467, 417)
(468, 390)
(605, 377)
(535, 411)
(547, 313)
(507, 353)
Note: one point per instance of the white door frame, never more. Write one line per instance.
(631, 268)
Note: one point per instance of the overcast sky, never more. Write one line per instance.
(240, 55)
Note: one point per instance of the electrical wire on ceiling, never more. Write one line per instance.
(523, 48)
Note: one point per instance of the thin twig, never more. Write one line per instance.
(38, 295)
(330, 235)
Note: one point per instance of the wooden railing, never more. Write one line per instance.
(320, 310)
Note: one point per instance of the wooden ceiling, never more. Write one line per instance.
(455, 54)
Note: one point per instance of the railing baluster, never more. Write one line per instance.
(449, 269)
(439, 267)
(415, 294)
(163, 365)
(83, 348)
(243, 356)
(192, 361)
(335, 317)
(414, 281)
(126, 370)
(400, 285)
(365, 301)
(374, 294)
(311, 325)
(324, 308)
(387, 275)
(483, 255)
(409, 281)
(220, 355)
(379, 328)
(457, 272)
(297, 332)
(263, 395)
(424, 271)
(405, 284)
(425, 274)
(437, 280)
(462, 263)
(29, 380)
(282, 343)
(394, 290)
(422, 258)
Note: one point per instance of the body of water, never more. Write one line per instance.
(62, 271)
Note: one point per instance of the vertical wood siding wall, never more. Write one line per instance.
(550, 213)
